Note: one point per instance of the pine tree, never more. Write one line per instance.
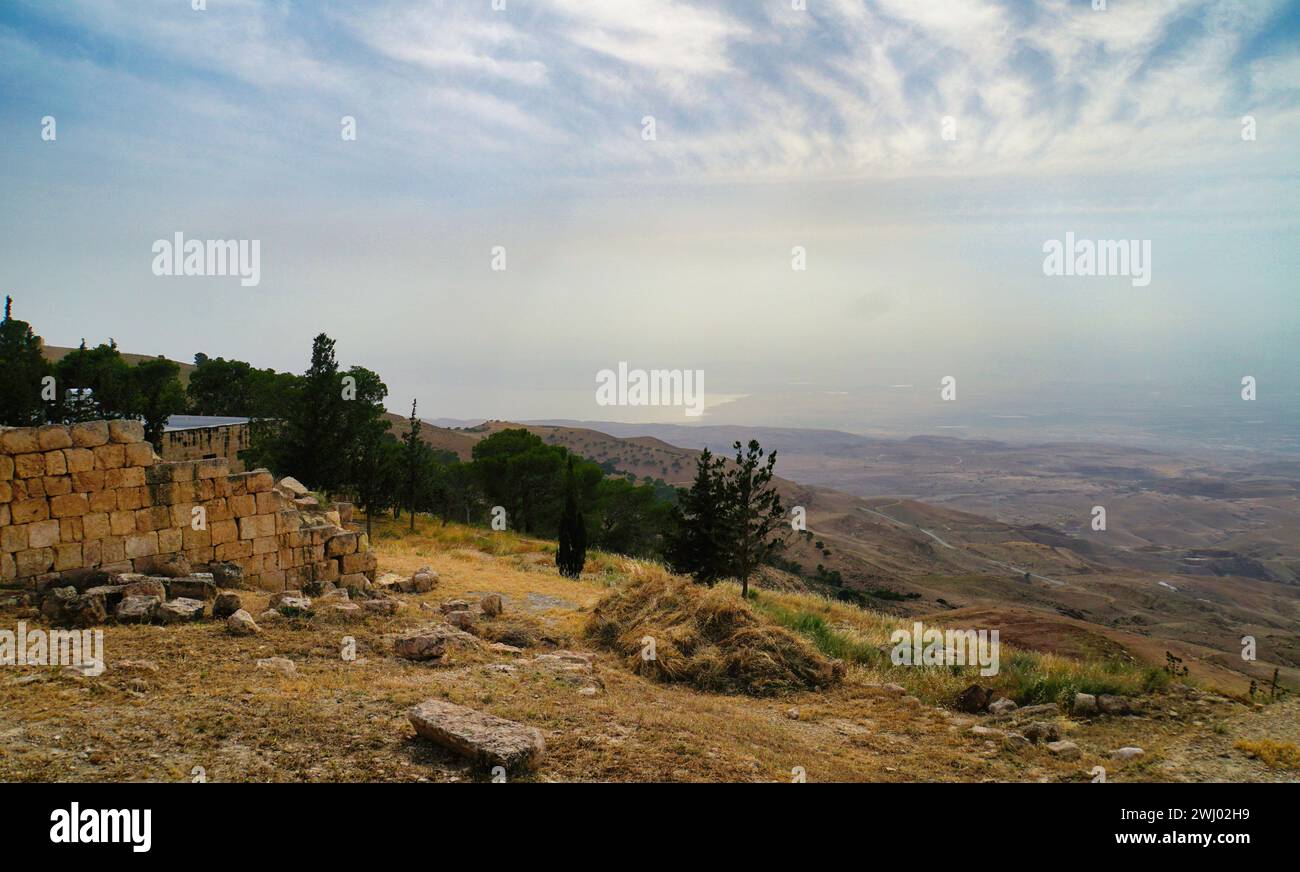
(754, 511)
(698, 544)
(572, 553)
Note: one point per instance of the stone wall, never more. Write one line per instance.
(207, 443)
(94, 496)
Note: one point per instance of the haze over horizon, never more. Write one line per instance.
(775, 128)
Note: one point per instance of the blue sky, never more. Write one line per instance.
(776, 127)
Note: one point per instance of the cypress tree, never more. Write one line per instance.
(572, 553)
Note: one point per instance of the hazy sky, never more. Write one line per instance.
(775, 127)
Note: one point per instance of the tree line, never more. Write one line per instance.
(328, 428)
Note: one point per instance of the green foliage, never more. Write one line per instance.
(23, 367)
(158, 395)
(572, 551)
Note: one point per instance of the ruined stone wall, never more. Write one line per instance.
(94, 496)
(203, 443)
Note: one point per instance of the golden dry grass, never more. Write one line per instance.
(176, 698)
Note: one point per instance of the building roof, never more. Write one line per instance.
(195, 422)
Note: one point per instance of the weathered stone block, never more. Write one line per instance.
(34, 561)
(89, 434)
(191, 538)
(363, 563)
(69, 505)
(237, 550)
(57, 485)
(86, 482)
(110, 456)
(67, 557)
(79, 459)
(132, 498)
(6, 467)
(6, 492)
(29, 465)
(254, 526)
(14, 539)
(103, 501)
(260, 480)
(70, 530)
(265, 545)
(343, 543)
(139, 454)
(52, 437)
(27, 511)
(223, 531)
(125, 431)
(42, 534)
(19, 440)
(55, 463)
(243, 506)
(169, 540)
(141, 545)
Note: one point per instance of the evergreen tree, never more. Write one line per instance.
(414, 457)
(572, 553)
(698, 544)
(754, 512)
(22, 370)
(158, 395)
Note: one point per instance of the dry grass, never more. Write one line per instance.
(707, 638)
(205, 704)
(1278, 755)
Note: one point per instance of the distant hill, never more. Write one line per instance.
(55, 353)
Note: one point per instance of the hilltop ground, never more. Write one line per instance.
(180, 697)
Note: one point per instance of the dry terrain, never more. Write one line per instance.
(178, 701)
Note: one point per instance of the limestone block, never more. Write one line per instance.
(34, 561)
(55, 463)
(89, 434)
(132, 498)
(29, 465)
(114, 550)
(110, 456)
(103, 501)
(69, 505)
(42, 534)
(88, 481)
(140, 454)
(223, 532)
(70, 530)
(79, 459)
(169, 541)
(52, 437)
(57, 485)
(243, 506)
(67, 557)
(27, 511)
(19, 440)
(253, 526)
(14, 539)
(125, 431)
(6, 467)
(141, 545)
(96, 525)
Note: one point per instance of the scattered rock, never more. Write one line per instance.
(973, 699)
(1002, 706)
(894, 688)
(1085, 705)
(226, 604)
(987, 732)
(503, 648)
(490, 605)
(453, 606)
(282, 665)
(462, 619)
(143, 586)
(1129, 752)
(227, 574)
(1114, 705)
(137, 609)
(295, 607)
(423, 581)
(294, 487)
(1049, 709)
(420, 647)
(792, 714)
(171, 566)
(1041, 731)
(588, 691)
(193, 587)
(484, 738)
(344, 611)
(1014, 742)
(180, 610)
(1065, 750)
(382, 605)
(241, 623)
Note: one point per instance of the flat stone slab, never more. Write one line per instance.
(483, 738)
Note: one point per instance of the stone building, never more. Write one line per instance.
(203, 437)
